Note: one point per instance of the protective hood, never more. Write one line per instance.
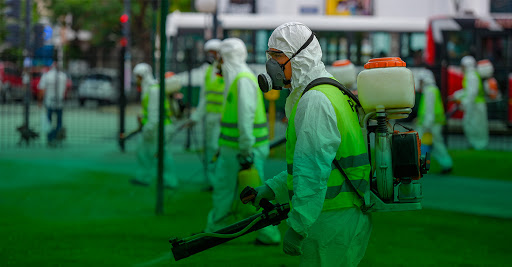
(234, 55)
(212, 45)
(426, 77)
(145, 71)
(468, 62)
(306, 66)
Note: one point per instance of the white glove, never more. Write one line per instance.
(264, 191)
(292, 243)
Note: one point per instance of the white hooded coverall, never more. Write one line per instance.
(475, 121)
(333, 238)
(211, 119)
(234, 55)
(429, 122)
(148, 141)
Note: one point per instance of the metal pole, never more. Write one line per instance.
(122, 99)
(153, 34)
(188, 54)
(26, 80)
(160, 179)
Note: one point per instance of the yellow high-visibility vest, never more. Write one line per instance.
(214, 90)
(145, 103)
(229, 132)
(352, 154)
(439, 115)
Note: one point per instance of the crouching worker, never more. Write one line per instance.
(148, 141)
(326, 224)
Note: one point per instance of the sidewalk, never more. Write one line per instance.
(451, 193)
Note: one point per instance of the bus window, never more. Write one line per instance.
(262, 37)
(458, 44)
(323, 45)
(494, 48)
(366, 50)
(247, 37)
(331, 52)
(342, 48)
(381, 44)
(411, 48)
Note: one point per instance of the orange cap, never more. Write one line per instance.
(484, 62)
(341, 62)
(384, 62)
(169, 74)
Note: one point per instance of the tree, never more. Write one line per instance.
(101, 18)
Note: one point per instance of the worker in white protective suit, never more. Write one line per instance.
(211, 105)
(326, 224)
(243, 138)
(431, 118)
(148, 141)
(472, 102)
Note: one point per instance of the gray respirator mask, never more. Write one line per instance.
(275, 78)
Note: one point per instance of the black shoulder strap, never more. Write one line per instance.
(333, 82)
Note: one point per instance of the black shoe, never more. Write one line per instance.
(257, 242)
(139, 183)
(208, 188)
(446, 171)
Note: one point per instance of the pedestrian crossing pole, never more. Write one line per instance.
(160, 177)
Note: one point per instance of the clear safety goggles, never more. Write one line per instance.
(274, 54)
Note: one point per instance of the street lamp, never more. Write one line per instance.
(206, 6)
(209, 6)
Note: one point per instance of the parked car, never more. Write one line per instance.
(99, 85)
(10, 79)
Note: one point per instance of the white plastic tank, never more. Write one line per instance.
(485, 69)
(345, 72)
(385, 83)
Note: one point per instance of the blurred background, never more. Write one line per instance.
(72, 204)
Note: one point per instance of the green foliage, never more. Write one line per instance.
(100, 17)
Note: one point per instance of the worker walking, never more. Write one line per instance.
(148, 141)
(431, 118)
(472, 102)
(211, 105)
(326, 224)
(243, 139)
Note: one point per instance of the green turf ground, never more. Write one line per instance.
(75, 217)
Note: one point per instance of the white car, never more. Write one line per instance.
(100, 86)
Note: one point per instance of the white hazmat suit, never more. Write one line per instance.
(472, 100)
(332, 238)
(148, 141)
(234, 55)
(431, 119)
(211, 119)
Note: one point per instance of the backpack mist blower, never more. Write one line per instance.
(271, 215)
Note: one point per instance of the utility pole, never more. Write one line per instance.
(26, 133)
(154, 5)
(161, 142)
(125, 70)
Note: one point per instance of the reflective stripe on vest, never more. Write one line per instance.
(229, 133)
(480, 97)
(214, 90)
(439, 115)
(351, 154)
(145, 103)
